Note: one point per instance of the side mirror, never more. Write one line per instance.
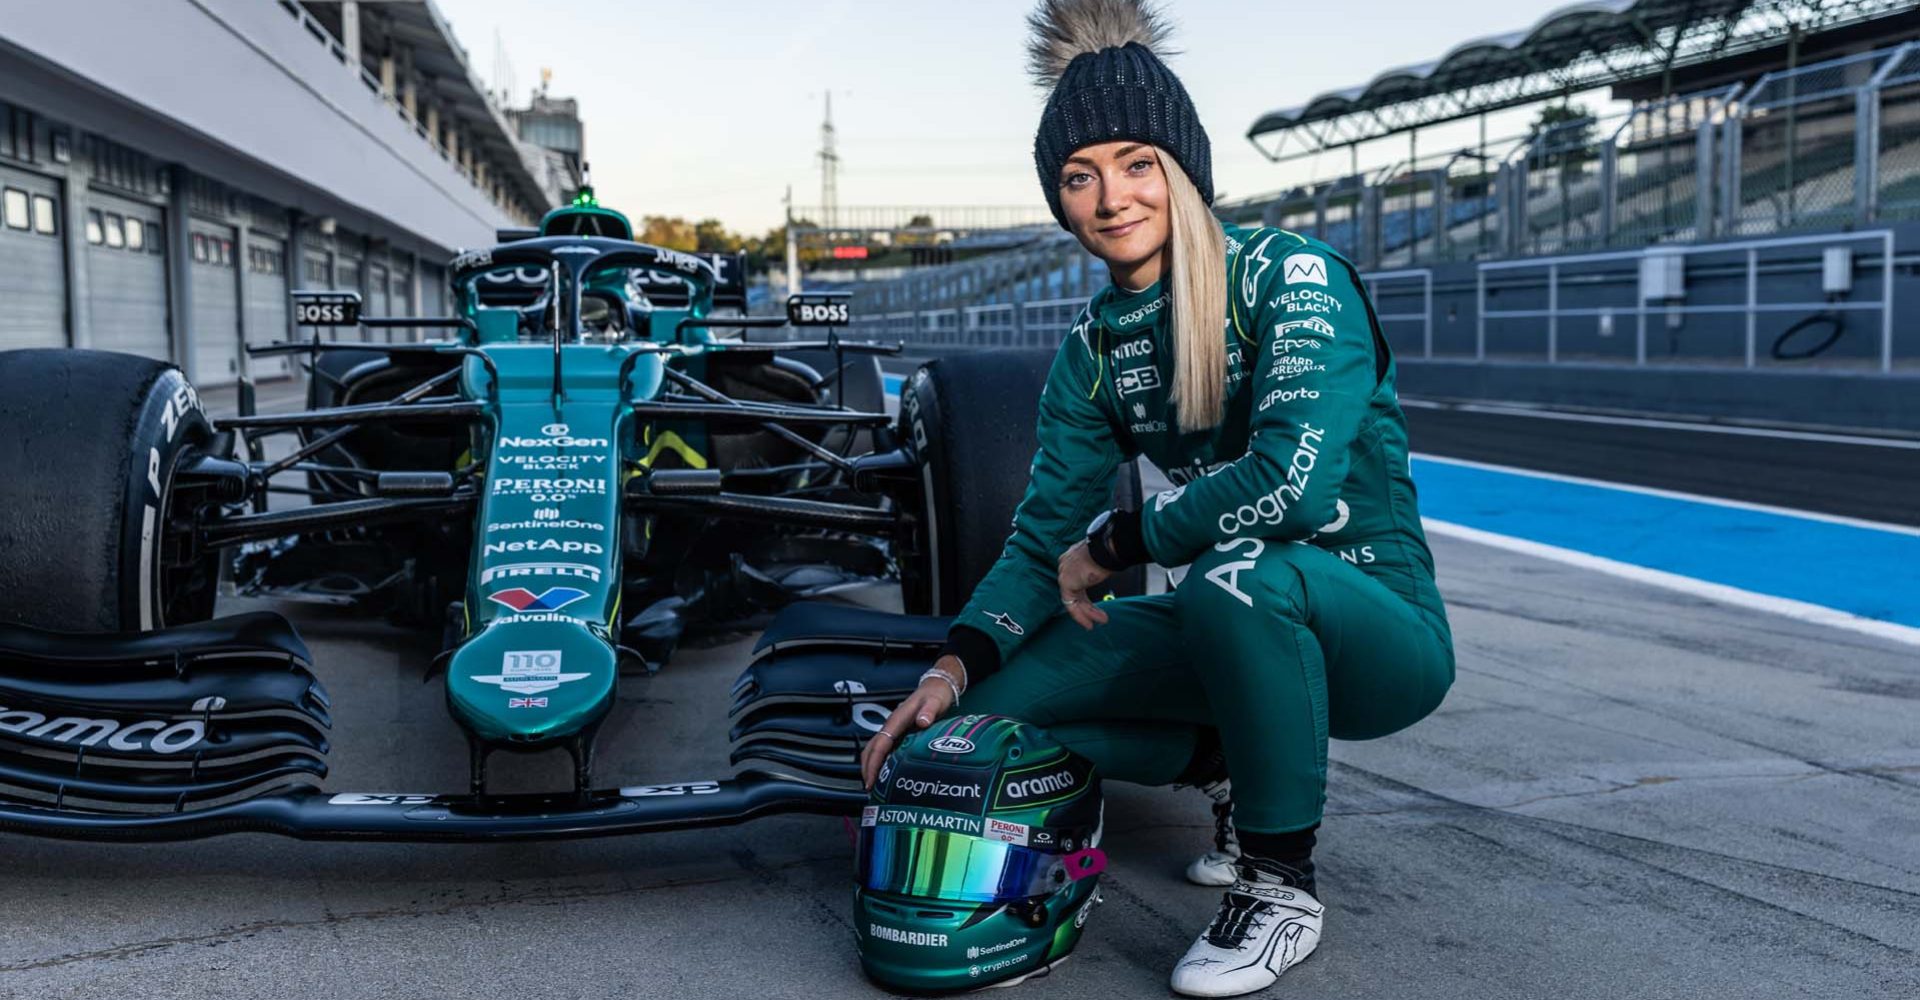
(819, 309)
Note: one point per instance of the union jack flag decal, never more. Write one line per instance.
(526, 702)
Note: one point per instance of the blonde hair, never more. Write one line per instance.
(1197, 283)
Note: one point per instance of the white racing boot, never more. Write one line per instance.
(1263, 928)
(1216, 866)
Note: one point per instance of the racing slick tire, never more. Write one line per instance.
(90, 441)
(970, 418)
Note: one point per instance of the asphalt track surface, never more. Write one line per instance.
(1628, 793)
(1849, 474)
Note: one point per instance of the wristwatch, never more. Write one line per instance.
(1100, 543)
(1114, 541)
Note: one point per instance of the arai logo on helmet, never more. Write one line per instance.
(951, 744)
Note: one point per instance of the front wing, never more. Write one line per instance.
(218, 727)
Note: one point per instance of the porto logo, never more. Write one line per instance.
(550, 599)
(951, 744)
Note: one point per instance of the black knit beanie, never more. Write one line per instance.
(1112, 92)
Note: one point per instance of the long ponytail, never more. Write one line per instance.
(1198, 285)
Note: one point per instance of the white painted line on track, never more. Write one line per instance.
(1811, 515)
(1672, 425)
(1797, 610)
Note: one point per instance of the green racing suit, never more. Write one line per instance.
(1308, 609)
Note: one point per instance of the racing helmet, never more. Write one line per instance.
(978, 857)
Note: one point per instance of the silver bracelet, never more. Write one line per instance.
(943, 675)
(952, 678)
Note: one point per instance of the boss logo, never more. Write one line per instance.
(951, 744)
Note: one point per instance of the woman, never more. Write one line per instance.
(1247, 365)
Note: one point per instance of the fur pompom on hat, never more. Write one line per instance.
(1102, 59)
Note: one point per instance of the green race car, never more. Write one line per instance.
(596, 459)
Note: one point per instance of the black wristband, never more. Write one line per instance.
(976, 651)
(1119, 544)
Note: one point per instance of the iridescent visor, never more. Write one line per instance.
(940, 864)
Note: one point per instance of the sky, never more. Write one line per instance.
(712, 108)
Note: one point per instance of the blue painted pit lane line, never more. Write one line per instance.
(1862, 569)
(892, 384)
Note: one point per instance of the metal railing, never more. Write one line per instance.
(1827, 145)
(1043, 323)
(1557, 278)
(1424, 316)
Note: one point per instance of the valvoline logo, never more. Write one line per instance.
(550, 599)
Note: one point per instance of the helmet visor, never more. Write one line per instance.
(941, 864)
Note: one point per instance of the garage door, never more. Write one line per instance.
(433, 291)
(403, 300)
(216, 305)
(346, 278)
(33, 282)
(379, 302)
(267, 301)
(126, 276)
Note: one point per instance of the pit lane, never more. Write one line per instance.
(1628, 793)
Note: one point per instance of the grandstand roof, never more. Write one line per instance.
(1593, 43)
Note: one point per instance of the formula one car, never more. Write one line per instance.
(594, 462)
